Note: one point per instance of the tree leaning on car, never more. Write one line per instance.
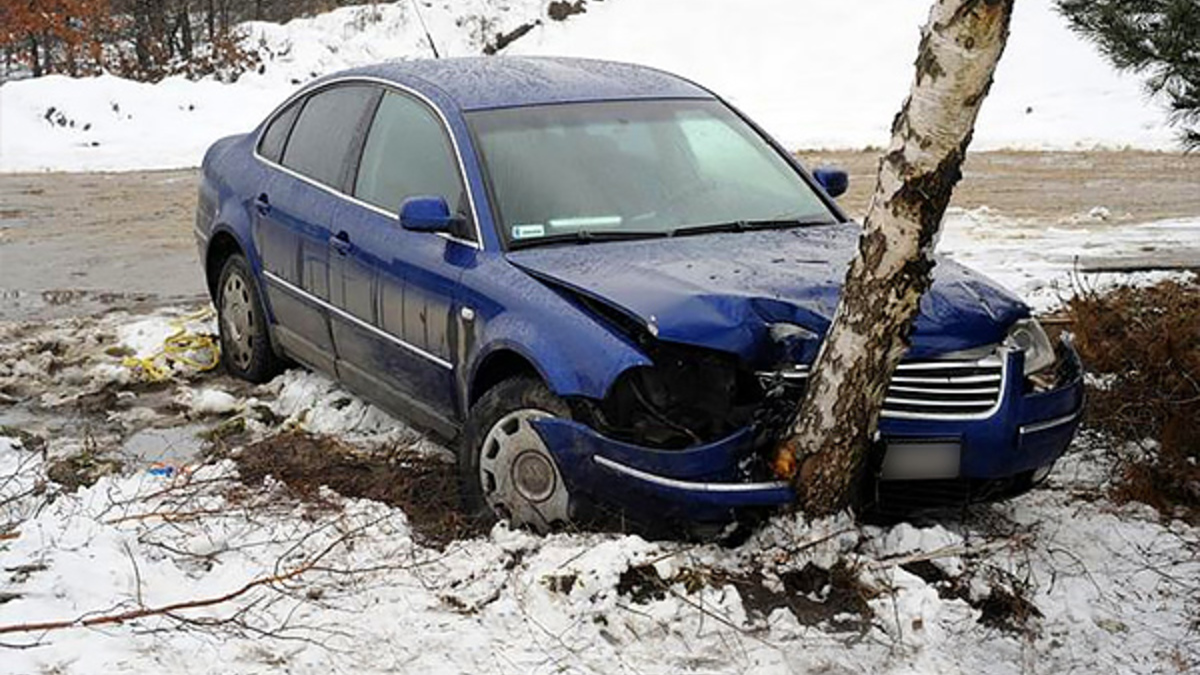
(824, 448)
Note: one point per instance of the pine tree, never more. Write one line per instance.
(1160, 38)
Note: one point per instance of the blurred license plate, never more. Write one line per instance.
(921, 460)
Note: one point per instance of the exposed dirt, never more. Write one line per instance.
(77, 243)
(425, 487)
(1050, 186)
(73, 244)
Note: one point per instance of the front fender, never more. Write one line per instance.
(574, 352)
(586, 364)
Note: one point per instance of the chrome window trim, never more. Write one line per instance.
(357, 321)
(387, 84)
(686, 485)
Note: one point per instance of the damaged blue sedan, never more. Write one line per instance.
(604, 285)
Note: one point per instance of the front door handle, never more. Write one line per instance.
(340, 242)
(263, 204)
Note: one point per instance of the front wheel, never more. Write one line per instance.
(245, 345)
(505, 468)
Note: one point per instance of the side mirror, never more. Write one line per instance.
(834, 180)
(427, 214)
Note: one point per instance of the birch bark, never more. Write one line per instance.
(823, 450)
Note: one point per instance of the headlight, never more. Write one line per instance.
(1027, 335)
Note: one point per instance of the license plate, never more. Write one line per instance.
(921, 460)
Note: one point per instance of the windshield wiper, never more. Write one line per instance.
(586, 236)
(744, 225)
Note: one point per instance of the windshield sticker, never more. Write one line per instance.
(527, 231)
(587, 221)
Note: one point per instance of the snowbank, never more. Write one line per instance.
(1111, 588)
(833, 74)
(816, 74)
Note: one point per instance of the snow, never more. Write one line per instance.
(1114, 584)
(1045, 265)
(815, 74)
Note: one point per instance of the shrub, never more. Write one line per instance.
(1144, 346)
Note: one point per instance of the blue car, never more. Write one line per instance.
(604, 285)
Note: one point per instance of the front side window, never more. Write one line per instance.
(407, 154)
(323, 137)
(652, 167)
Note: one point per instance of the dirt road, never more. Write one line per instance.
(79, 243)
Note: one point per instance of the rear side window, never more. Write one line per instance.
(325, 133)
(407, 154)
(271, 145)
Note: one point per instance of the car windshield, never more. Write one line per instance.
(629, 169)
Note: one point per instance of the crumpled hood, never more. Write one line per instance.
(723, 291)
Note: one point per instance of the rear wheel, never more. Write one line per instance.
(505, 468)
(245, 345)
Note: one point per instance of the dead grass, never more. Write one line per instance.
(425, 488)
(1144, 343)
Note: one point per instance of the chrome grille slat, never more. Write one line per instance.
(968, 403)
(947, 365)
(945, 390)
(931, 390)
(965, 379)
(951, 391)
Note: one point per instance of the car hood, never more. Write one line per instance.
(725, 291)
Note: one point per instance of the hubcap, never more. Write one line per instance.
(237, 320)
(518, 475)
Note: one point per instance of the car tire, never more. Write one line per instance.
(505, 469)
(245, 341)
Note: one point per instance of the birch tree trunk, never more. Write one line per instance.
(836, 421)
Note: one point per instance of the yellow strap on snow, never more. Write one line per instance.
(179, 347)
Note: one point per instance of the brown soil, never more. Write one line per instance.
(424, 487)
(1134, 186)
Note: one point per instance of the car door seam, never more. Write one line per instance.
(357, 321)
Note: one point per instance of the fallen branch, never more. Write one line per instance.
(170, 609)
(143, 612)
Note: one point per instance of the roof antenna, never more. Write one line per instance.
(417, 6)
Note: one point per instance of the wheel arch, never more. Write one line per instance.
(221, 247)
(496, 366)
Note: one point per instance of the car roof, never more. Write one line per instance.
(477, 83)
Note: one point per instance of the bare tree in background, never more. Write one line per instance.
(823, 450)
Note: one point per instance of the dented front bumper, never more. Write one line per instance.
(1027, 431)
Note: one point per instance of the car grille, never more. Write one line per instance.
(931, 389)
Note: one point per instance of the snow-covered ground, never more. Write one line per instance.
(1047, 264)
(345, 585)
(816, 74)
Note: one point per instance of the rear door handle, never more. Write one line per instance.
(263, 204)
(340, 242)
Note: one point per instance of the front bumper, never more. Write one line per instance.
(709, 483)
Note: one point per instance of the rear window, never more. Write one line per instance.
(326, 133)
(273, 139)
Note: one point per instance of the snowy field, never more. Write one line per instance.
(213, 576)
(815, 74)
(171, 562)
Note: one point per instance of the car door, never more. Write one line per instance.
(294, 207)
(396, 288)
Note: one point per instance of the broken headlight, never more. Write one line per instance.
(1028, 336)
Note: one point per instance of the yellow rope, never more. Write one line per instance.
(179, 347)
